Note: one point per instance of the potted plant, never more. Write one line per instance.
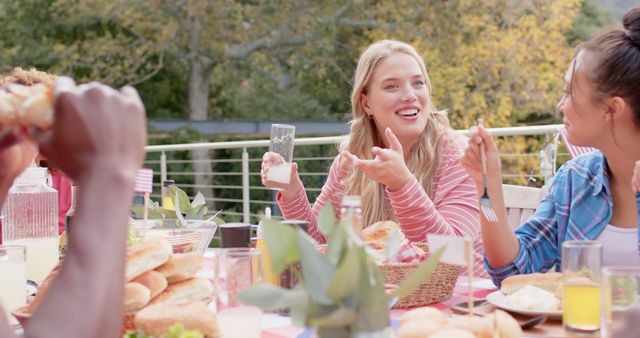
(341, 292)
(185, 210)
(188, 227)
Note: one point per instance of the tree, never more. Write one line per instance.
(128, 42)
(503, 60)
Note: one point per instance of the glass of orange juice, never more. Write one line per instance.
(581, 262)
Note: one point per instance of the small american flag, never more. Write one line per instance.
(144, 181)
(573, 150)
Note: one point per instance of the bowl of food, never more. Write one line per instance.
(184, 236)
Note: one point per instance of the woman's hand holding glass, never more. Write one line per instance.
(295, 184)
(388, 166)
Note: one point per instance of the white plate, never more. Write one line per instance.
(498, 299)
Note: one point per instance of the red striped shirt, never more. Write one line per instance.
(453, 210)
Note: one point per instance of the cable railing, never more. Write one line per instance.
(234, 181)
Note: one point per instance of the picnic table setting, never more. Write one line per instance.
(361, 283)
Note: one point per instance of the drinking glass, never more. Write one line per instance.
(235, 235)
(236, 269)
(620, 296)
(13, 279)
(281, 142)
(581, 262)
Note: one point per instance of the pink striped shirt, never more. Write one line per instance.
(453, 210)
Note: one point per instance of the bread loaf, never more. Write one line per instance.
(181, 266)
(136, 296)
(379, 231)
(146, 256)
(194, 289)
(547, 281)
(27, 106)
(156, 320)
(152, 280)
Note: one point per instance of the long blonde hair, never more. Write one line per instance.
(364, 134)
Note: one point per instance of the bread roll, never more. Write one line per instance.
(547, 281)
(379, 231)
(28, 106)
(181, 266)
(418, 328)
(155, 320)
(482, 327)
(146, 256)
(136, 296)
(152, 280)
(424, 314)
(453, 332)
(194, 289)
(507, 326)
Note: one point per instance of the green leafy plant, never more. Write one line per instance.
(341, 292)
(185, 209)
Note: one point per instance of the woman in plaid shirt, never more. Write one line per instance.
(591, 197)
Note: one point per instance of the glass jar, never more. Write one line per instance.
(31, 219)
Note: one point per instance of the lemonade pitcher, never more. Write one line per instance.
(31, 219)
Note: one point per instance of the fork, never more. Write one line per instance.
(485, 202)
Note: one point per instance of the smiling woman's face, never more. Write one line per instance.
(584, 116)
(397, 97)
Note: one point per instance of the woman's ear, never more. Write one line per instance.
(364, 102)
(616, 108)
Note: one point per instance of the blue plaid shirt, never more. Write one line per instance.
(578, 206)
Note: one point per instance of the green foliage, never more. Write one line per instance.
(184, 211)
(503, 60)
(176, 331)
(591, 19)
(340, 292)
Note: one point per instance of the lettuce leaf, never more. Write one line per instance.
(176, 331)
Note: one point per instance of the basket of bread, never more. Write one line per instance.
(160, 290)
(436, 289)
(429, 322)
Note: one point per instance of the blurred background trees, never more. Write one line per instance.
(199, 59)
(294, 60)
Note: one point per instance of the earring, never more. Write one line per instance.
(370, 116)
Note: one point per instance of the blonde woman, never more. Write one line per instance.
(401, 156)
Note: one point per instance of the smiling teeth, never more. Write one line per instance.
(409, 112)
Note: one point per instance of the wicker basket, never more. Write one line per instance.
(438, 288)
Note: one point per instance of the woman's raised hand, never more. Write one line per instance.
(471, 162)
(388, 166)
(295, 184)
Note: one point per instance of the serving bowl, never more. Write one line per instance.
(184, 236)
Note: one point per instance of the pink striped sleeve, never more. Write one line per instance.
(453, 211)
(299, 207)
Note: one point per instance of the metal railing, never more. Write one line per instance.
(162, 163)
